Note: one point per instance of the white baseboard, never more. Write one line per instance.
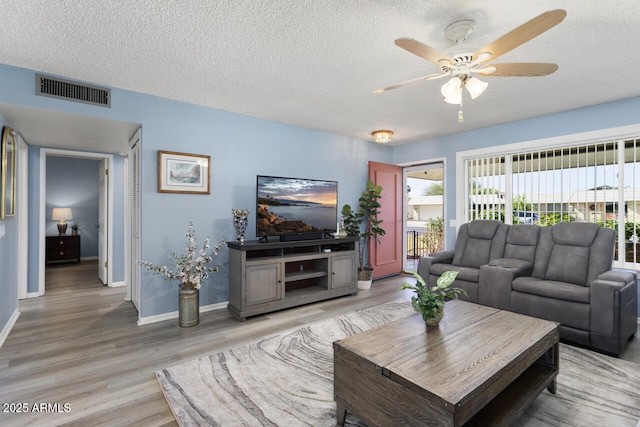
(174, 314)
(7, 328)
(88, 258)
(117, 284)
(33, 295)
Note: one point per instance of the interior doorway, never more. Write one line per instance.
(105, 238)
(425, 211)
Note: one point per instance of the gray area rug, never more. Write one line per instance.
(287, 380)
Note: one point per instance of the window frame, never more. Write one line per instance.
(616, 135)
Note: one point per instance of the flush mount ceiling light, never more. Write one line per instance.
(382, 136)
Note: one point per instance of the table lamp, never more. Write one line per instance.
(61, 215)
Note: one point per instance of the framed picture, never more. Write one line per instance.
(183, 173)
(8, 173)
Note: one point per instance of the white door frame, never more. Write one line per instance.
(103, 203)
(44, 152)
(23, 216)
(131, 249)
(413, 166)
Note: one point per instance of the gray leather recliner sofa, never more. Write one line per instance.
(561, 273)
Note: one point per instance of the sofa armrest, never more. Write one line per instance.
(425, 263)
(615, 275)
(613, 299)
(494, 283)
(444, 257)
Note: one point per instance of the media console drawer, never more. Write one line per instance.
(63, 248)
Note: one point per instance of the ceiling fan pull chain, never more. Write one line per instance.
(460, 114)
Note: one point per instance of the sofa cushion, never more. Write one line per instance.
(601, 253)
(478, 242)
(475, 253)
(552, 289)
(568, 264)
(569, 314)
(521, 242)
(464, 273)
(574, 233)
(483, 229)
(524, 235)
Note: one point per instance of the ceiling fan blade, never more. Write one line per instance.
(522, 34)
(520, 69)
(423, 51)
(427, 77)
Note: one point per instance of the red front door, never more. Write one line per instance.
(386, 257)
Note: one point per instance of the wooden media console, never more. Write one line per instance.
(270, 276)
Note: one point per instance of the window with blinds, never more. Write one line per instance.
(597, 182)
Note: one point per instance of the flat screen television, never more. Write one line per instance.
(295, 208)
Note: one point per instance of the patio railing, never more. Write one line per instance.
(421, 243)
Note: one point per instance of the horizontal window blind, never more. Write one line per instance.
(595, 182)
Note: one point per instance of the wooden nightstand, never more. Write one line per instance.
(63, 248)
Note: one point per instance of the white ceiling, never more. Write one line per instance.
(315, 63)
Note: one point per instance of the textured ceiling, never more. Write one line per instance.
(315, 63)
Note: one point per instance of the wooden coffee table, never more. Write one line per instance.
(481, 366)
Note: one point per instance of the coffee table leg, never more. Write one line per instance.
(341, 413)
(554, 359)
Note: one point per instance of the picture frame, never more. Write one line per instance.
(8, 151)
(183, 173)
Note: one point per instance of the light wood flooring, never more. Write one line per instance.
(80, 345)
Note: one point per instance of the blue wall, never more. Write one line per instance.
(73, 183)
(240, 147)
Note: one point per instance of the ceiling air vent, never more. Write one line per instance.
(72, 91)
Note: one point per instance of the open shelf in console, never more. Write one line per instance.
(305, 268)
(301, 250)
(264, 253)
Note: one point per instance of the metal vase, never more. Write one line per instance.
(188, 307)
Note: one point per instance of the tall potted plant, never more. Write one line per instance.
(369, 209)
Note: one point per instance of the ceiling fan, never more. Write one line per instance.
(461, 65)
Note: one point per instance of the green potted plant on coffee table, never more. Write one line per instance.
(429, 301)
(369, 209)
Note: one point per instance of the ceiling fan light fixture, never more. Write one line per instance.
(453, 99)
(475, 86)
(382, 136)
(451, 88)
